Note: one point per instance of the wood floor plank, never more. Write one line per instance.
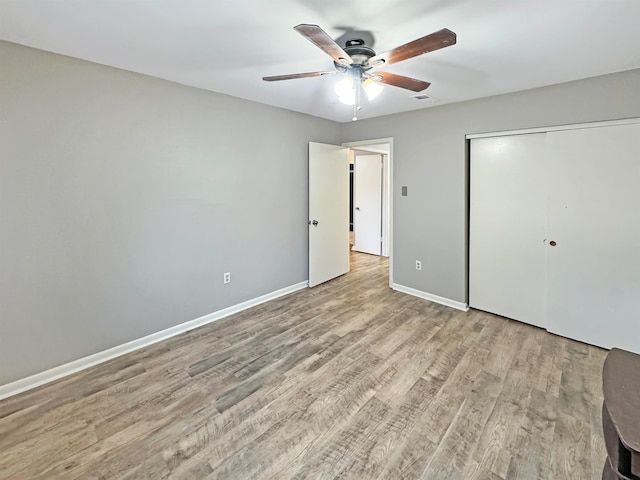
(370, 459)
(497, 439)
(126, 448)
(454, 453)
(349, 379)
(598, 456)
(410, 458)
(572, 457)
(337, 451)
(77, 435)
(532, 454)
(453, 392)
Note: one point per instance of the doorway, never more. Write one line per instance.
(372, 227)
(366, 194)
(329, 208)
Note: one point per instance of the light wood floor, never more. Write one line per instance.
(347, 380)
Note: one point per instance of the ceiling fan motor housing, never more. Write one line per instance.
(359, 53)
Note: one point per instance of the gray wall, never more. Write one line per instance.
(124, 198)
(429, 156)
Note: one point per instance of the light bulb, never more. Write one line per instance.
(349, 99)
(371, 88)
(346, 92)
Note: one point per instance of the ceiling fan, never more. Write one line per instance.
(357, 60)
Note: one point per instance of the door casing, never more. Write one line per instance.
(387, 201)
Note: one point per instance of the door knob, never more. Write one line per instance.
(358, 208)
(314, 223)
(552, 243)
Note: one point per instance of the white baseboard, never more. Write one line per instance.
(432, 298)
(61, 371)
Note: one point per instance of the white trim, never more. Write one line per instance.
(575, 126)
(432, 298)
(364, 143)
(376, 141)
(75, 366)
(390, 186)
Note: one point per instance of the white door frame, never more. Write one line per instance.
(389, 186)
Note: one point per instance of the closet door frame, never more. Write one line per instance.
(554, 128)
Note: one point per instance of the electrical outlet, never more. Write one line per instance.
(418, 265)
(226, 278)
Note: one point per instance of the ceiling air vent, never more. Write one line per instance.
(426, 98)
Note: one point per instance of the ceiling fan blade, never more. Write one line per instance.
(322, 40)
(435, 41)
(275, 78)
(400, 81)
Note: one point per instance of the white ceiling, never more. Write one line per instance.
(229, 45)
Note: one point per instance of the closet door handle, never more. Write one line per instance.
(553, 243)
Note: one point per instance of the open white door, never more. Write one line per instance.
(328, 212)
(367, 201)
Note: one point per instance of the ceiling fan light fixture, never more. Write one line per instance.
(345, 89)
(371, 88)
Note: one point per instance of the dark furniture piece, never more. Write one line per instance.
(621, 415)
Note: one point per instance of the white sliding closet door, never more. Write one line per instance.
(507, 227)
(593, 272)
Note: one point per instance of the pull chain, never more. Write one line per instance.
(356, 104)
